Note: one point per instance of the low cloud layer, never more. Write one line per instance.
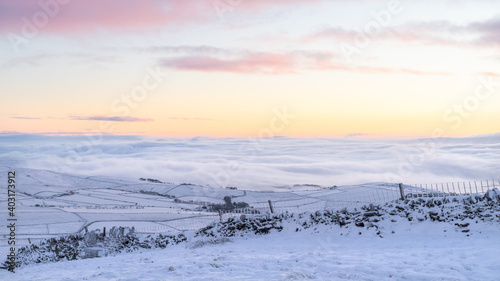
(261, 164)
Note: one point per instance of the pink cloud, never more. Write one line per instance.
(111, 118)
(273, 63)
(257, 5)
(252, 63)
(210, 59)
(92, 15)
(435, 32)
(25, 118)
(70, 16)
(88, 118)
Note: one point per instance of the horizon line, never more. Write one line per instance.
(139, 134)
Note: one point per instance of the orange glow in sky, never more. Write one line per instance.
(288, 68)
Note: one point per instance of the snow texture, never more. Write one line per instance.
(418, 239)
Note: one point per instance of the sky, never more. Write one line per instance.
(250, 68)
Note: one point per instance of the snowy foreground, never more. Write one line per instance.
(424, 253)
(416, 240)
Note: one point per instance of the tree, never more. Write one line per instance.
(229, 204)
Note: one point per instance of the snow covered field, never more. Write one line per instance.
(50, 204)
(420, 239)
(422, 252)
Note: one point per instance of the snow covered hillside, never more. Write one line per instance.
(51, 204)
(453, 238)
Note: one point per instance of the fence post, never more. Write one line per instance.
(401, 191)
(220, 215)
(29, 240)
(86, 229)
(104, 231)
(271, 206)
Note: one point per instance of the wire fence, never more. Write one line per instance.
(335, 199)
(450, 188)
